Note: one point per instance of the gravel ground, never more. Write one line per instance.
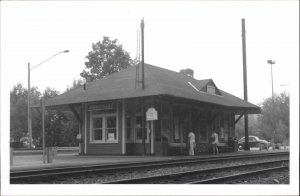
(275, 178)
(279, 177)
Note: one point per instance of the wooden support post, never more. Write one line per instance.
(85, 128)
(79, 117)
(123, 127)
(152, 129)
(81, 143)
(11, 156)
(143, 124)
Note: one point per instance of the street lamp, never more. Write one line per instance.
(29, 104)
(272, 63)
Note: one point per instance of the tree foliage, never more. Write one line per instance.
(19, 112)
(75, 84)
(107, 57)
(275, 118)
(272, 123)
(61, 127)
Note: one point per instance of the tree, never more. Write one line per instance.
(273, 117)
(19, 112)
(188, 72)
(252, 126)
(61, 126)
(75, 84)
(53, 121)
(106, 58)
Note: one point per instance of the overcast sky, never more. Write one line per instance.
(203, 36)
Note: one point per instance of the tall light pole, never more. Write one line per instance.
(29, 93)
(272, 63)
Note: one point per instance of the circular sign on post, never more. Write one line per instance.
(151, 114)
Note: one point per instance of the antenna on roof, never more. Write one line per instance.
(140, 57)
(142, 34)
(137, 60)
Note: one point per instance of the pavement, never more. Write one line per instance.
(32, 161)
(35, 161)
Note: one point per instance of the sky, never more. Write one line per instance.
(200, 35)
(204, 36)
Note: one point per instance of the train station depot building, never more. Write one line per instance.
(112, 110)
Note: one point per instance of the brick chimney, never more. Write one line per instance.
(188, 72)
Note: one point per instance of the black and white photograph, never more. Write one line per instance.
(149, 97)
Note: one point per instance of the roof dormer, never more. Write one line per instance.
(208, 86)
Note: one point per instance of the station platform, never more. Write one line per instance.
(35, 161)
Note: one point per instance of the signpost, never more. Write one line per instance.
(151, 115)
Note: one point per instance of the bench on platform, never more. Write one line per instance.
(222, 147)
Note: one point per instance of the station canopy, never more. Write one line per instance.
(158, 81)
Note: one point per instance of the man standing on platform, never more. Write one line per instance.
(215, 141)
(192, 143)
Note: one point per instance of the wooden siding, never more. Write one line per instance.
(106, 148)
(137, 148)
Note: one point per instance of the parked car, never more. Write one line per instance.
(253, 141)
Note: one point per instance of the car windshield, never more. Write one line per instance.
(251, 139)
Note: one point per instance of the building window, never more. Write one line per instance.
(211, 89)
(139, 130)
(97, 129)
(203, 132)
(104, 128)
(165, 109)
(176, 130)
(165, 127)
(111, 128)
(128, 129)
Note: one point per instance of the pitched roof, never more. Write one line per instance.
(158, 81)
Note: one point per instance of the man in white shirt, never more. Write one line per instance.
(192, 143)
(215, 141)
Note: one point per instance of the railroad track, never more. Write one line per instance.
(209, 176)
(34, 175)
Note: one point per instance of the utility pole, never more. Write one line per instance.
(245, 82)
(29, 110)
(143, 87)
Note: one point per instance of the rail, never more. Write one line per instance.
(47, 172)
(184, 177)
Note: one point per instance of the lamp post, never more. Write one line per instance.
(272, 63)
(29, 104)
